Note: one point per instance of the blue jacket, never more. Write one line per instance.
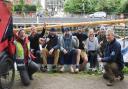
(68, 43)
(113, 53)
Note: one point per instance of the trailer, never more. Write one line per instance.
(7, 72)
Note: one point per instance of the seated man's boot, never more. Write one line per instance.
(110, 83)
(121, 77)
(77, 69)
(71, 69)
(54, 68)
(62, 69)
(105, 76)
(43, 68)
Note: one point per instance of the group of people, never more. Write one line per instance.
(73, 47)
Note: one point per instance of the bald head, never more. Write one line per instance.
(33, 30)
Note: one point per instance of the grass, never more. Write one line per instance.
(82, 74)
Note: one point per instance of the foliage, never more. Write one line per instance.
(22, 7)
(38, 6)
(73, 6)
(89, 6)
(17, 8)
(28, 8)
(124, 6)
(125, 70)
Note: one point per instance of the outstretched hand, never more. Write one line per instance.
(51, 51)
(99, 59)
(44, 25)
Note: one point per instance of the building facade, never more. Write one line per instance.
(53, 6)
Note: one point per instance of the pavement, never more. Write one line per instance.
(70, 81)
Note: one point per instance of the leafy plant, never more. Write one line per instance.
(125, 70)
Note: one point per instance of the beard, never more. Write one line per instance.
(91, 38)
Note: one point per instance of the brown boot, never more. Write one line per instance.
(110, 83)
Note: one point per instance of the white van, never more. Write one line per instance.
(98, 15)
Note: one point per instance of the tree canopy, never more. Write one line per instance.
(90, 6)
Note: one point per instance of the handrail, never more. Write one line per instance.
(111, 22)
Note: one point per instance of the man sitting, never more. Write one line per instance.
(82, 38)
(68, 45)
(51, 49)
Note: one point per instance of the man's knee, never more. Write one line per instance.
(44, 51)
(106, 67)
(57, 51)
(78, 51)
(84, 55)
(114, 66)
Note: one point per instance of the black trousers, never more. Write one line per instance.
(31, 67)
(92, 58)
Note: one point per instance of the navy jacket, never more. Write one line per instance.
(52, 43)
(113, 53)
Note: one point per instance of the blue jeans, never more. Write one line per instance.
(69, 58)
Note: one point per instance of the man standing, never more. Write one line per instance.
(113, 59)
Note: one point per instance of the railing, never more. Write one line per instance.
(95, 23)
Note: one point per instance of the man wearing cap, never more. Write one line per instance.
(68, 47)
(34, 40)
(51, 49)
(82, 38)
(113, 59)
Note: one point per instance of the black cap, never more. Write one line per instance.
(52, 30)
(66, 29)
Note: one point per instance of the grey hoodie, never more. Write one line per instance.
(68, 43)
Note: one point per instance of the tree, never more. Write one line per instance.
(38, 5)
(73, 6)
(78, 6)
(17, 8)
(109, 6)
(123, 6)
(89, 6)
(22, 5)
(29, 8)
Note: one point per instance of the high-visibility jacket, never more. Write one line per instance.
(20, 49)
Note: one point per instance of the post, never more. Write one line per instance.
(123, 28)
(37, 19)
